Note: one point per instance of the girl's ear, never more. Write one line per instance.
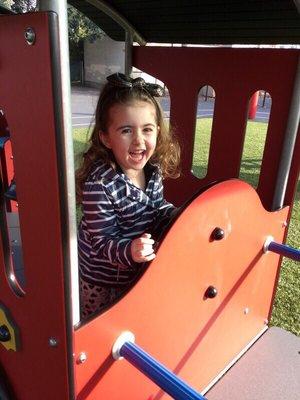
(104, 138)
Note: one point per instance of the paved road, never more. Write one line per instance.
(84, 101)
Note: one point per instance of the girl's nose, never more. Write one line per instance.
(137, 137)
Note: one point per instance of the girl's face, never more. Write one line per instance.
(132, 133)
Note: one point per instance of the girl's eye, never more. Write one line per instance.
(148, 130)
(126, 131)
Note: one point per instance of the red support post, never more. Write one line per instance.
(253, 105)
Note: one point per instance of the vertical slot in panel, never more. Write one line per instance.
(204, 121)
(10, 227)
(260, 105)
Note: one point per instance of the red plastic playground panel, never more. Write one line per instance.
(194, 336)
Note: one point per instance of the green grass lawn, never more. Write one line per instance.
(286, 311)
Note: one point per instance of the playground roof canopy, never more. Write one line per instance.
(198, 22)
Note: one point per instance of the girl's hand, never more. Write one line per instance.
(142, 248)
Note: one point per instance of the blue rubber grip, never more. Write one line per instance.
(159, 374)
(284, 250)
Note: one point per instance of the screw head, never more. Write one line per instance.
(82, 357)
(53, 342)
(246, 310)
(30, 36)
(211, 292)
(4, 334)
(217, 234)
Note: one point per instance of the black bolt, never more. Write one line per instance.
(4, 334)
(29, 35)
(217, 234)
(211, 292)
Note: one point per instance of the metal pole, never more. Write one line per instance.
(264, 99)
(120, 20)
(128, 53)
(282, 249)
(288, 145)
(206, 93)
(297, 4)
(285, 251)
(64, 124)
(158, 373)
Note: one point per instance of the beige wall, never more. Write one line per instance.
(102, 58)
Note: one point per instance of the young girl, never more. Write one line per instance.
(120, 187)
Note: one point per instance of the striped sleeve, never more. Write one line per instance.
(101, 223)
(165, 209)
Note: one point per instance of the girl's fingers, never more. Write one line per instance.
(138, 247)
(147, 247)
(147, 235)
(141, 248)
(146, 240)
(150, 257)
(143, 258)
(146, 251)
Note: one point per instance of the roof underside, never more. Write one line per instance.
(201, 22)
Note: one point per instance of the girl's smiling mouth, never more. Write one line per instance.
(137, 155)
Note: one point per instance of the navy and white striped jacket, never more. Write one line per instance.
(114, 213)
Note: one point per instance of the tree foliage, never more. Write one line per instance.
(23, 6)
(6, 3)
(81, 28)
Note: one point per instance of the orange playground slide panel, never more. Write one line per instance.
(168, 311)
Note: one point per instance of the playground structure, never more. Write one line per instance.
(205, 300)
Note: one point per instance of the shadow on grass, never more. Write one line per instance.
(250, 170)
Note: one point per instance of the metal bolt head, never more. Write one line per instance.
(4, 334)
(53, 342)
(211, 292)
(30, 36)
(217, 234)
(82, 357)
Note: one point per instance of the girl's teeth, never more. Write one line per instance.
(137, 155)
